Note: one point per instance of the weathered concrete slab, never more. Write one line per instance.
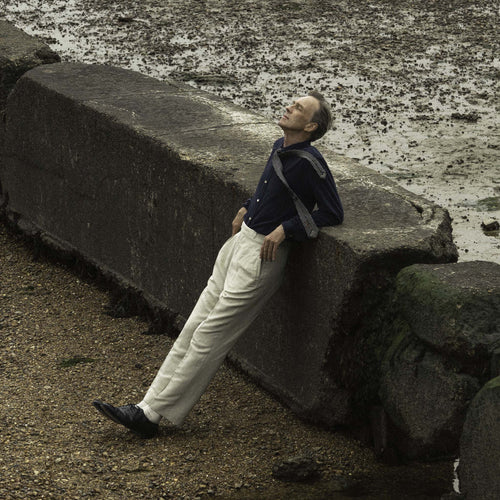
(143, 178)
(19, 53)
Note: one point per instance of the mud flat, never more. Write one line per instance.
(414, 84)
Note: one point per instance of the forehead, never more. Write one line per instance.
(309, 103)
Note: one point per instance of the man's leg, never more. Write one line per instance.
(142, 419)
(248, 286)
(200, 312)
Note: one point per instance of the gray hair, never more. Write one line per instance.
(323, 117)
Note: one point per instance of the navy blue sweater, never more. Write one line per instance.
(272, 205)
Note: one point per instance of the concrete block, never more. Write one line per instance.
(143, 178)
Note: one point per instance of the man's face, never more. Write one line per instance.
(298, 115)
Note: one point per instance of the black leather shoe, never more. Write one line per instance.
(131, 416)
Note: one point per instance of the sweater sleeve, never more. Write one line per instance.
(329, 211)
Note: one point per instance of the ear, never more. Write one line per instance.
(311, 127)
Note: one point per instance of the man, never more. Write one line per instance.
(248, 270)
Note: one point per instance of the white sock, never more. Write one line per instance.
(149, 412)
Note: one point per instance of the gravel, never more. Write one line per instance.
(60, 349)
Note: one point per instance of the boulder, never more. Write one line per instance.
(479, 469)
(454, 309)
(426, 398)
(445, 322)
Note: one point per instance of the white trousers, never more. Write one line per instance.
(239, 287)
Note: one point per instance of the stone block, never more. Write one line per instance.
(143, 178)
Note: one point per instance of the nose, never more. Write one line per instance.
(289, 108)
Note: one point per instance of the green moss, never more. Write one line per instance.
(66, 363)
(424, 288)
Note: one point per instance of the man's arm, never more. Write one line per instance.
(238, 220)
(271, 243)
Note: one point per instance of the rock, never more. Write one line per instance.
(445, 323)
(454, 309)
(426, 398)
(297, 469)
(479, 469)
(19, 52)
(490, 225)
(468, 117)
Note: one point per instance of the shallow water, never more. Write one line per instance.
(415, 86)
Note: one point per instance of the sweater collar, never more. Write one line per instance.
(297, 145)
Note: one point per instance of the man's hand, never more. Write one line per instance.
(238, 220)
(271, 243)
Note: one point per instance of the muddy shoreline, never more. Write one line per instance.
(414, 84)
